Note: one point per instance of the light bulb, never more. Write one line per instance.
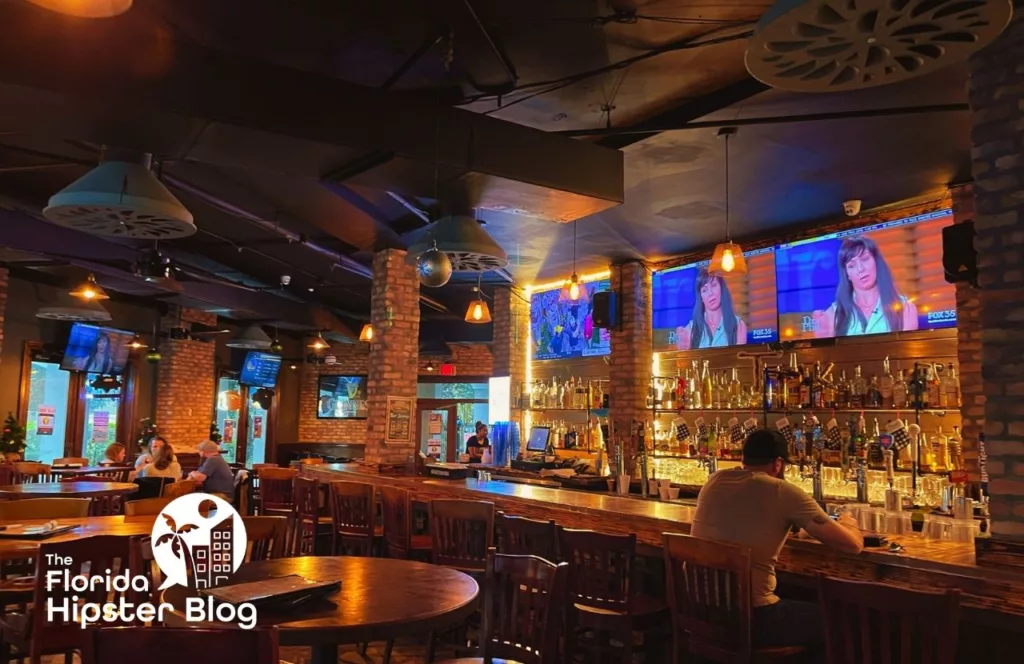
(728, 261)
(369, 333)
(88, 293)
(574, 291)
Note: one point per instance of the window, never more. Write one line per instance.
(47, 416)
(99, 428)
(229, 407)
(256, 432)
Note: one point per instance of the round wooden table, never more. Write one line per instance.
(380, 598)
(67, 490)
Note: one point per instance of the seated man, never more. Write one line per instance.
(754, 507)
(214, 472)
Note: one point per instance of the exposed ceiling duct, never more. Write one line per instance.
(252, 337)
(468, 246)
(122, 198)
(823, 46)
(68, 308)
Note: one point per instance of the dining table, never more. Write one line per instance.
(13, 548)
(70, 489)
(379, 599)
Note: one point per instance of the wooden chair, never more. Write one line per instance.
(114, 473)
(354, 516)
(461, 532)
(146, 506)
(309, 524)
(708, 587)
(276, 491)
(524, 600)
(180, 488)
(870, 622)
(33, 632)
(600, 592)
(71, 461)
(267, 537)
(32, 472)
(151, 487)
(399, 541)
(44, 508)
(164, 645)
(519, 536)
(8, 474)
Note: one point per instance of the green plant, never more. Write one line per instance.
(12, 439)
(215, 433)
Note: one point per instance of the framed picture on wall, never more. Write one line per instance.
(341, 398)
(399, 420)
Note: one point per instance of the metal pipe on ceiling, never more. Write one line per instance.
(781, 119)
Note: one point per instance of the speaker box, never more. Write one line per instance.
(605, 314)
(959, 259)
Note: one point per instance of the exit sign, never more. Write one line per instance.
(447, 369)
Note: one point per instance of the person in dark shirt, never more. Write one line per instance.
(214, 472)
(476, 444)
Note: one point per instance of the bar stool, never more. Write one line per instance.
(708, 586)
(524, 597)
(600, 576)
(863, 620)
(353, 518)
(399, 540)
(275, 491)
(519, 536)
(461, 532)
(310, 525)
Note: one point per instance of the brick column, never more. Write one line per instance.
(395, 316)
(3, 302)
(632, 354)
(996, 95)
(968, 317)
(185, 391)
(509, 347)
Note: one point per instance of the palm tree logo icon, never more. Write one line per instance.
(198, 541)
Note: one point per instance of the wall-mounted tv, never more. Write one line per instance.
(260, 369)
(95, 349)
(692, 309)
(561, 328)
(341, 397)
(882, 278)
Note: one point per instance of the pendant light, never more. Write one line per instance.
(89, 291)
(728, 257)
(319, 343)
(86, 8)
(478, 311)
(366, 334)
(573, 290)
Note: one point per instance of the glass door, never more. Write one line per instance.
(47, 414)
(229, 408)
(99, 425)
(256, 431)
(437, 433)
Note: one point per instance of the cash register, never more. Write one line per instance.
(537, 447)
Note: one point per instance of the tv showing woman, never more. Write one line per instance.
(714, 323)
(102, 358)
(867, 299)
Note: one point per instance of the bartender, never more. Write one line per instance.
(476, 444)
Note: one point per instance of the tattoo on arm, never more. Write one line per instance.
(820, 519)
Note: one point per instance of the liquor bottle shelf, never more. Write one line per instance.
(798, 411)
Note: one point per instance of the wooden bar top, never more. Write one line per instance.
(923, 564)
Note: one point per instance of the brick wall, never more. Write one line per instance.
(996, 96)
(511, 334)
(394, 354)
(469, 360)
(185, 391)
(631, 357)
(968, 314)
(3, 302)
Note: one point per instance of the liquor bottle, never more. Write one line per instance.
(942, 458)
(695, 390)
(682, 391)
(772, 398)
(875, 457)
(916, 388)
(899, 391)
(793, 381)
(843, 391)
(830, 394)
(858, 389)
(805, 388)
(817, 387)
(708, 397)
(935, 393)
(886, 385)
(861, 441)
(952, 387)
(873, 398)
(956, 450)
(735, 390)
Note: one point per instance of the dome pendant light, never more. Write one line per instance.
(89, 291)
(478, 311)
(574, 290)
(366, 334)
(728, 257)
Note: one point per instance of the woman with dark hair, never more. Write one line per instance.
(867, 300)
(102, 359)
(476, 444)
(714, 323)
(164, 463)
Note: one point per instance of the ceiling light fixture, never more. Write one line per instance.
(366, 334)
(319, 343)
(89, 291)
(136, 343)
(478, 311)
(573, 290)
(86, 8)
(728, 257)
(430, 365)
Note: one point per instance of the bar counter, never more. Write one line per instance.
(990, 596)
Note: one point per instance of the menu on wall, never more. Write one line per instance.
(399, 420)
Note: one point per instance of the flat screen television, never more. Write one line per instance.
(341, 397)
(561, 328)
(883, 278)
(691, 309)
(95, 349)
(260, 369)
